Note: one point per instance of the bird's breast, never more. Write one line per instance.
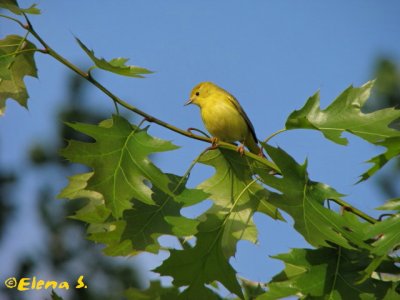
(224, 121)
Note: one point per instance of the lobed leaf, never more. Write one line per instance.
(146, 223)
(236, 197)
(119, 159)
(345, 115)
(203, 264)
(16, 62)
(124, 179)
(303, 199)
(115, 65)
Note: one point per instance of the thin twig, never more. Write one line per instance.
(274, 134)
(346, 206)
(128, 106)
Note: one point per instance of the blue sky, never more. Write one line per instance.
(272, 55)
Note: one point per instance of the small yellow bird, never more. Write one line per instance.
(223, 117)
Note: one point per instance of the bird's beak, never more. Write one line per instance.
(188, 102)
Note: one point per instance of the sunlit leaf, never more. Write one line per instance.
(119, 159)
(236, 197)
(115, 65)
(345, 114)
(12, 6)
(16, 62)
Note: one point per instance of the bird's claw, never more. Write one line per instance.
(240, 149)
(214, 144)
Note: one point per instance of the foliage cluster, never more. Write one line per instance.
(131, 202)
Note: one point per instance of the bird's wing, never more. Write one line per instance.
(244, 115)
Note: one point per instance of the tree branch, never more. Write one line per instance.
(152, 119)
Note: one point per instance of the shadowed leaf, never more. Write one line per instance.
(203, 264)
(303, 199)
(326, 273)
(146, 223)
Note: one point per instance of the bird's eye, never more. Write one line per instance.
(197, 94)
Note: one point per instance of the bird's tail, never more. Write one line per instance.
(253, 146)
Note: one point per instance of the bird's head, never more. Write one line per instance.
(202, 92)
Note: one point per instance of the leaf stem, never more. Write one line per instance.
(13, 19)
(274, 134)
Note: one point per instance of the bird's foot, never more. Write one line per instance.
(240, 149)
(214, 144)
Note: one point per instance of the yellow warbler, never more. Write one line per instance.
(223, 116)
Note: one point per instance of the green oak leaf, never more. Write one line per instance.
(345, 115)
(119, 159)
(16, 62)
(146, 223)
(326, 273)
(236, 197)
(154, 291)
(303, 199)
(12, 6)
(115, 65)
(203, 264)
